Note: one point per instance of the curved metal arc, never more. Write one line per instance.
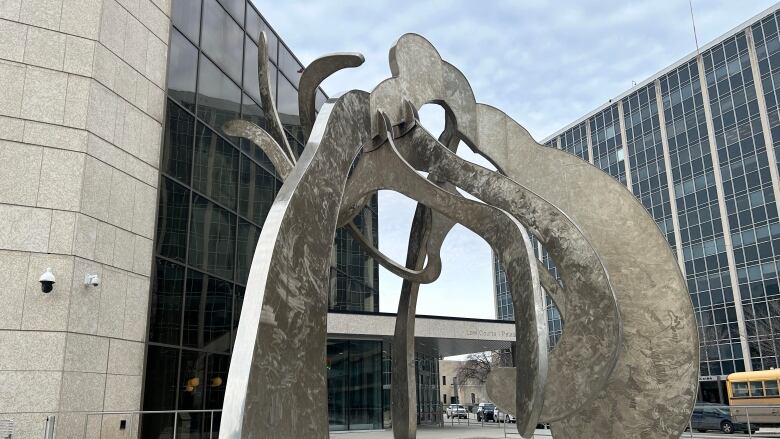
(588, 350)
(276, 366)
(554, 289)
(404, 384)
(427, 275)
(311, 78)
(428, 231)
(275, 124)
(652, 380)
(440, 224)
(495, 226)
(261, 138)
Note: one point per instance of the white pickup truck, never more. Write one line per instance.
(501, 416)
(456, 411)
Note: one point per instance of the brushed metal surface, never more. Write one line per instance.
(626, 364)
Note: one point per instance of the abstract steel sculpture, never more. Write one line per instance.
(625, 365)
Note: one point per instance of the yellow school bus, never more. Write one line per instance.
(755, 390)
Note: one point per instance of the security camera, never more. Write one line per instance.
(91, 279)
(47, 281)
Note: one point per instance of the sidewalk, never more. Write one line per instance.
(495, 431)
(462, 431)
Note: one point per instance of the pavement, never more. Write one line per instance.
(494, 431)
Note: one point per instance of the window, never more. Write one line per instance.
(219, 98)
(182, 70)
(173, 214)
(215, 171)
(444, 399)
(739, 390)
(186, 17)
(756, 389)
(443, 380)
(212, 238)
(222, 39)
(771, 388)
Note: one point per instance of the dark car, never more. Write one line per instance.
(716, 417)
(486, 411)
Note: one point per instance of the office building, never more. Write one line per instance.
(116, 177)
(697, 144)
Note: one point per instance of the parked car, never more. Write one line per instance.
(503, 416)
(456, 411)
(486, 411)
(716, 417)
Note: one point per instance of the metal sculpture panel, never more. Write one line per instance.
(625, 365)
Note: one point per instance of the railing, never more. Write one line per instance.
(129, 422)
(707, 421)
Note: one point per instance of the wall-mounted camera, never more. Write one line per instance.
(91, 280)
(47, 281)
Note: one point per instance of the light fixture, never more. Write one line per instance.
(91, 280)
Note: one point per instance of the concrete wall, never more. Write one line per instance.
(81, 108)
(449, 369)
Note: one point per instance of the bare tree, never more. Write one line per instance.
(478, 366)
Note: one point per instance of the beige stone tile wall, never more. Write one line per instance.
(81, 110)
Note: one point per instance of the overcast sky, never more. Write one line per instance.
(545, 63)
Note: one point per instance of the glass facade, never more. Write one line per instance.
(710, 124)
(606, 141)
(575, 141)
(215, 192)
(505, 309)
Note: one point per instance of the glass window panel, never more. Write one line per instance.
(212, 238)
(257, 190)
(219, 98)
(365, 385)
(177, 144)
(157, 425)
(165, 309)
(771, 388)
(215, 172)
(236, 9)
(186, 17)
(756, 389)
(223, 40)
(208, 305)
(338, 384)
(320, 99)
(252, 112)
(739, 390)
(172, 217)
(251, 81)
(191, 382)
(182, 70)
(248, 235)
(287, 104)
(289, 66)
(160, 390)
(160, 387)
(255, 25)
(216, 380)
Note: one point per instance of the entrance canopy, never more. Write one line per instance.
(444, 336)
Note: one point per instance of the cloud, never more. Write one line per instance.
(546, 63)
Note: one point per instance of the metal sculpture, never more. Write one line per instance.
(625, 365)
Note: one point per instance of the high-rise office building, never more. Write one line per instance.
(697, 144)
